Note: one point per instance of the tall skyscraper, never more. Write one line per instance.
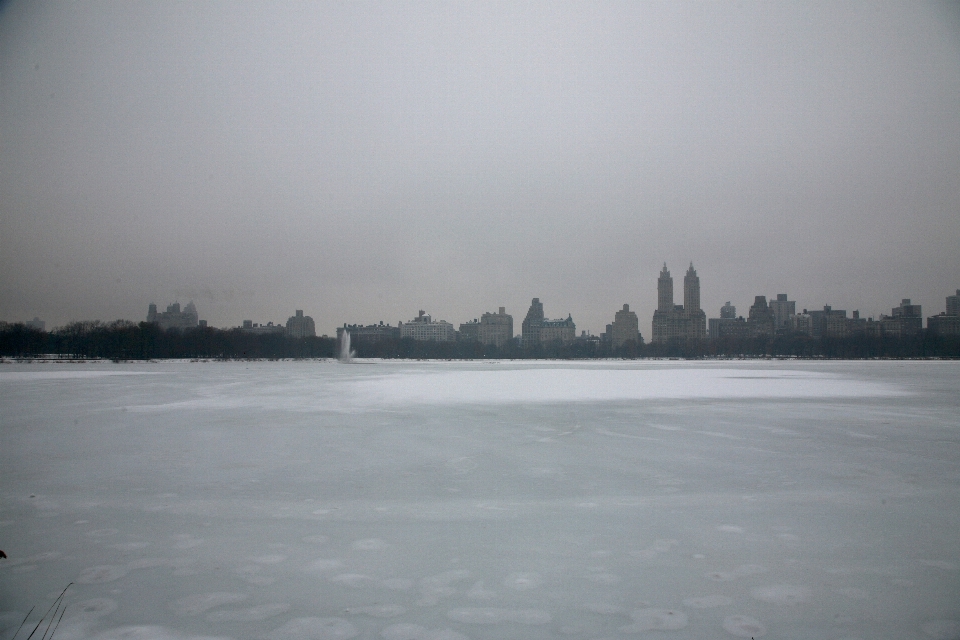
(665, 291)
(691, 291)
(532, 323)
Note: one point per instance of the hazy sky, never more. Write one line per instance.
(361, 161)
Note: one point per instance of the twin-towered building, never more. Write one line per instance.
(671, 321)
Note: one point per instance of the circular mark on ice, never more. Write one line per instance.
(664, 545)
(462, 465)
(147, 563)
(93, 608)
(379, 610)
(942, 629)
(273, 558)
(749, 570)
(315, 629)
(397, 584)
(477, 592)
(708, 602)
(369, 544)
(353, 580)
(324, 564)
(201, 602)
(253, 614)
(130, 546)
(493, 615)
(522, 581)
(720, 576)
(744, 626)
(602, 608)
(656, 620)
(445, 634)
(604, 578)
(101, 573)
(730, 528)
(939, 564)
(145, 632)
(781, 594)
(853, 592)
(315, 539)
(406, 631)
(187, 541)
(403, 631)
(102, 533)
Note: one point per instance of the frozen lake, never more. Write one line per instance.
(442, 501)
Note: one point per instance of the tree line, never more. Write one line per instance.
(125, 340)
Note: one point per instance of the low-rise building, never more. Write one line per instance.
(729, 328)
(425, 329)
(249, 326)
(36, 323)
(469, 331)
(368, 334)
(564, 331)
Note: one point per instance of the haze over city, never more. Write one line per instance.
(364, 161)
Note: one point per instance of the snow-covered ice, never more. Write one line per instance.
(533, 500)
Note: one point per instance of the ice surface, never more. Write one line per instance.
(443, 500)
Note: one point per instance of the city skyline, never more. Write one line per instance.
(364, 161)
(677, 323)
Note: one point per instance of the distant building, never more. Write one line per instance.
(539, 330)
(783, 310)
(249, 326)
(425, 329)
(173, 317)
(731, 328)
(947, 324)
(727, 325)
(36, 323)
(469, 331)
(564, 331)
(800, 323)
(532, 323)
(670, 321)
(625, 327)
(953, 304)
(301, 326)
(496, 328)
(905, 320)
(761, 318)
(819, 320)
(369, 334)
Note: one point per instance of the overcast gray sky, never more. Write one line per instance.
(361, 161)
